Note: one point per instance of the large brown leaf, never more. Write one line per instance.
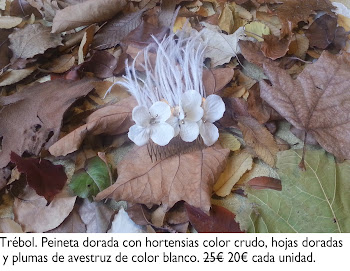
(88, 12)
(317, 102)
(189, 177)
(33, 39)
(31, 119)
(113, 120)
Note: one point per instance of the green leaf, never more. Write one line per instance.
(315, 200)
(92, 179)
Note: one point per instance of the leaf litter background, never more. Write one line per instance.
(281, 162)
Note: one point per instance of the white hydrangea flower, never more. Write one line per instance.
(186, 115)
(214, 109)
(151, 124)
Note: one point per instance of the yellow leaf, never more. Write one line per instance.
(229, 141)
(344, 22)
(226, 21)
(237, 165)
(179, 23)
(256, 30)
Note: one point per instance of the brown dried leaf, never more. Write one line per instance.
(23, 9)
(61, 64)
(273, 47)
(101, 64)
(219, 220)
(252, 52)
(112, 119)
(265, 182)
(32, 213)
(295, 11)
(9, 226)
(72, 224)
(215, 80)
(13, 76)
(35, 115)
(259, 138)
(299, 46)
(116, 30)
(86, 13)
(189, 177)
(32, 40)
(4, 50)
(316, 102)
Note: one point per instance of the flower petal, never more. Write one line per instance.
(139, 135)
(195, 114)
(190, 99)
(214, 108)
(174, 122)
(189, 131)
(141, 115)
(160, 111)
(162, 133)
(209, 132)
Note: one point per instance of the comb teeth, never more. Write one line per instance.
(175, 147)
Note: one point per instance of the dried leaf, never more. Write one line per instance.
(35, 115)
(112, 119)
(264, 182)
(221, 48)
(86, 13)
(316, 102)
(96, 216)
(32, 40)
(237, 165)
(101, 64)
(256, 30)
(162, 182)
(291, 12)
(220, 220)
(72, 224)
(259, 138)
(116, 30)
(274, 48)
(4, 50)
(61, 64)
(45, 178)
(215, 80)
(14, 76)
(299, 46)
(123, 224)
(9, 226)
(85, 43)
(23, 9)
(252, 52)
(32, 213)
(7, 22)
(229, 141)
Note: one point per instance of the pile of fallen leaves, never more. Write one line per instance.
(280, 165)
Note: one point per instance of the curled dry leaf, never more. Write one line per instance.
(215, 80)
(61, 64)
(113, 119)
(32, 213)
(274, 47)
(32, 40)
(14, 76)
(189, 177)
(22, 8)
(237, 165)
(86, 13)
(316, 102)
(31, 120)
(264, 182)
(252, 52)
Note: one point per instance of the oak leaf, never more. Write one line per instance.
(189, 177)
(32, 40)
(44, 177)
(112, 119)
(316, 102)
(88, 12)
(31, 120)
